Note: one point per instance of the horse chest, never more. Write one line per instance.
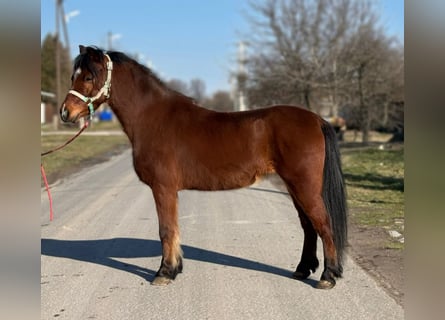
(153, 166)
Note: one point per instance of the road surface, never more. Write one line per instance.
(101, 251)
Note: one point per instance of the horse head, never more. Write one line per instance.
(90, 84)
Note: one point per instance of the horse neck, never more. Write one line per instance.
(136, 97)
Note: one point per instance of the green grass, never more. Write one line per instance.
(81, 151)
(375, 186)
(95, 126)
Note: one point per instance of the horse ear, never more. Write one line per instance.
(93, 53)
(82, 49)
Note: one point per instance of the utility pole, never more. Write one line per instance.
(111, 37)
(241, 77)
(58, 84)
(60, 17)
(65, 31)
(110, 41)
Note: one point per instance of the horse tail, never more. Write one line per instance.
(334, 192)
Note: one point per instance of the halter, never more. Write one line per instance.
(105, 90)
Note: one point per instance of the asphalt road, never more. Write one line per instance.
(101, 251)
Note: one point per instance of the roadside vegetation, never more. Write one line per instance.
(95, 126)
(375, 185)
(84, 150)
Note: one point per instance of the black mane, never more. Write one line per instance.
(85, 60)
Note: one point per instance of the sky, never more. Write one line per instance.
(178, 39)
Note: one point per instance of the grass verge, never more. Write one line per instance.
(83, 150)
(375, 186)
(94, 126)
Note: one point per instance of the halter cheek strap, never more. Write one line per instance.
(88, 101)
(105, 90)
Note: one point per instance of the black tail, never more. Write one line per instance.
(334, 193)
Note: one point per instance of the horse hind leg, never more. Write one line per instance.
(312, 205)
(171, 263)
(309, 261)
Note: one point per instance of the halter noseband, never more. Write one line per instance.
(105, 90)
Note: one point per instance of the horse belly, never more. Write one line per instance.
(230, 176)
(233, 154)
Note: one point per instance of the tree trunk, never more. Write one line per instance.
(364, 111)
(385, 114)
(307, 97)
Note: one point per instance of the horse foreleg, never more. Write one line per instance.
(167, 209)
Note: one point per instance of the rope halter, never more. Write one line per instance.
(105, 90)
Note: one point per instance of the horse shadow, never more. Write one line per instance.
(105, 252)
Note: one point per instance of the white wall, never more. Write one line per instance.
(42, 112)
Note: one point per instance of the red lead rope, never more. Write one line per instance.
(51, 214)
(42, 171)
(68, 142)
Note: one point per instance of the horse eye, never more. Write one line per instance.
(88, 78)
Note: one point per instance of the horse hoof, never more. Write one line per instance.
(161, 281)
(301, 275)
(325, 284)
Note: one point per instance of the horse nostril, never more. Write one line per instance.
(64, 113)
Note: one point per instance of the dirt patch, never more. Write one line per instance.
(368, 247)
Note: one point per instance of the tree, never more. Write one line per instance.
(299, 42)
(197, 90)
(330, 51)
(376, 76)
(48, 65)
(220, 101)
(178, 85)
(48, 71)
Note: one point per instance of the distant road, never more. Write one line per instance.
(101, 251)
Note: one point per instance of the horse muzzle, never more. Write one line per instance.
(69, 116)
(64, 113)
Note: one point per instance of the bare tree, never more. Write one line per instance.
(304, 38)
(376, 75)
(330, 51)
(220, 101)
(178, 85)
(197, 90)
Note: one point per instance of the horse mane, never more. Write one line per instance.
(84, 60)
